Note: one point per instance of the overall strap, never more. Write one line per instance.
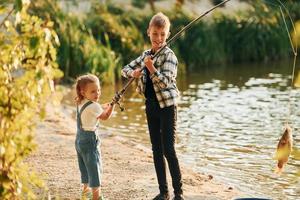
(79, 125)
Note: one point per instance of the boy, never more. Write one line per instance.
(157, 82)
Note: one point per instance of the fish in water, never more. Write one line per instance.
(284, 148)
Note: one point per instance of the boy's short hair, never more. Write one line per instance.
(159, 20)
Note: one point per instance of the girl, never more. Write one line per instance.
(89, 112)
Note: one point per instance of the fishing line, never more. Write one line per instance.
(294, 49)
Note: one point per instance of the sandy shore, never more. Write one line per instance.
(128, 167)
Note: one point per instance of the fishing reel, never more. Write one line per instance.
(116, 100)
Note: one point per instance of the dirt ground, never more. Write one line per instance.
(128, 167)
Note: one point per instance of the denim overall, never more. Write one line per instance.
(89, 157)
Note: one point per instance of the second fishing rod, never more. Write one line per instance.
(116, 99)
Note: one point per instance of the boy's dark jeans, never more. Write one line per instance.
(162, 127)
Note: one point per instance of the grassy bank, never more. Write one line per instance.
(108, 36)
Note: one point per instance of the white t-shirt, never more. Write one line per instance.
(89, 115)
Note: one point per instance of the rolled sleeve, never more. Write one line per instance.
(128, 69)
(168, 72)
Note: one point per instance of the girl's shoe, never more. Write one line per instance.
(89, 195)
(102, 198)
(86, 195)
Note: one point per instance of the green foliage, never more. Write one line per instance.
(268, 31)
(216, 2)
(27, 70)
(72, 35)
(124, 37)
(296, 35)
(294, 7)
(139, 3)
(18, 5)
(256, 35)
(70, 32)
(101, 61)
(80, 51)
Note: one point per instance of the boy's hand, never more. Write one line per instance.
(136, 73)
(149, 64)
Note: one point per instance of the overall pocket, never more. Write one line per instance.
(86, 142)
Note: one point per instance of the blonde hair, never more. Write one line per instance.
(160, 20)
(81, 82)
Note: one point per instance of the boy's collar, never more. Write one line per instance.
(152, 52)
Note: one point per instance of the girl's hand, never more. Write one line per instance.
(136, 73)
(107, 111)
(149, 64)
(105, 106)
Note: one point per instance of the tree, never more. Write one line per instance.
(142, 3)
(27, 70)
(216, 2)
(179, 3)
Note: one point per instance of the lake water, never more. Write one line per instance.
(230, 119)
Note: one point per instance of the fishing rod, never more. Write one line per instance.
(119, 94)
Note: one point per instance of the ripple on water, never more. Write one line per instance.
(239, 131)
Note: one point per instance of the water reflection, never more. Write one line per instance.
(229, 121)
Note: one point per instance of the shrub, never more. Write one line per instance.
(27, 70)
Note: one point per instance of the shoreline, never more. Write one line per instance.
(128, 166)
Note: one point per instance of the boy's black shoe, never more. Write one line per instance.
(178, 197)
(164, 196)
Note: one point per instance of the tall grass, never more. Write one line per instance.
(108, 37)
(79, 51)
(252, 37)
(124, 37)
(257, 35)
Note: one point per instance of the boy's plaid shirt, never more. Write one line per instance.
(164, 79)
